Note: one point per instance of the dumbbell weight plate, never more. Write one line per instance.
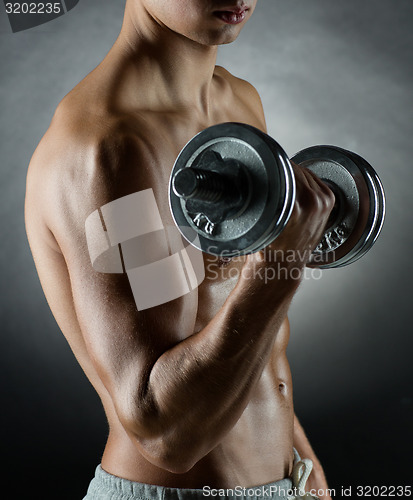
(377, 210)
(362, 215)
(272, 190)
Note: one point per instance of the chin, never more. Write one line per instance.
(228, 40)
(217, 38)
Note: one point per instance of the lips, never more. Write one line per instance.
(232, 15)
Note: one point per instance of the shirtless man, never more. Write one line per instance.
(197, 391)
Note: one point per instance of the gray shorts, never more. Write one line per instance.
(105, 486)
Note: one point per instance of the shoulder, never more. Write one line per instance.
(244, 92)
(85, 159)
(238, 84)
(85, 141)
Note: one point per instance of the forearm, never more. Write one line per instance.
(317, 480)
(302, 444)
(201, 386)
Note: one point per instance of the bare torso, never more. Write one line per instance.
(258, 449)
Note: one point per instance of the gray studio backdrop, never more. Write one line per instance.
(332, 72)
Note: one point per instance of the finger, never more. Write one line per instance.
(320, 183)
(301, 179)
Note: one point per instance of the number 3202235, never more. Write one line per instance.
(33, 8)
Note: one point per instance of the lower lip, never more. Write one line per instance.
(231, 17)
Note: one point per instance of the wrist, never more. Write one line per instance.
(278, 278)
(262, 295)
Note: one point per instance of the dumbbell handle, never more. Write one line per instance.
(210, 186)
(202, 185)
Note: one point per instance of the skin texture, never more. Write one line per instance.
(197, 391)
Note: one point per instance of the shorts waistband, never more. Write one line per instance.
(106, 486)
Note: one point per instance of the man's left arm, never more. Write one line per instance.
(317, 480)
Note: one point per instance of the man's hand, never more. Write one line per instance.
(293, 247)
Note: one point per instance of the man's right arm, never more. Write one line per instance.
(176, 392)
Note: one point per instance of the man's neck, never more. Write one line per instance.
(179, 71)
